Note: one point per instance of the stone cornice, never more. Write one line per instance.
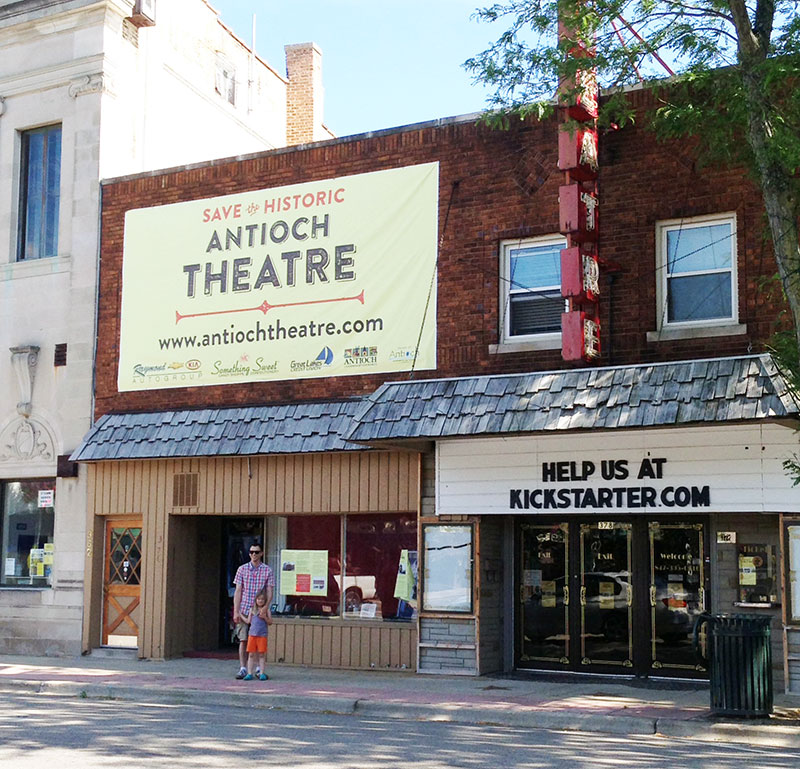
(62, 74)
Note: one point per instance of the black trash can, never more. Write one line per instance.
(738, 656)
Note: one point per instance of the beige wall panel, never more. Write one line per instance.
(333, 477)
(384, 647)
(316, 644)
(256, 489)
(363, 485)
(325, 486)
(343, 644)
(137, 489)
(363, 649)
(306, 486)
(327, 645)
(219, 486)
(279, 481)
(393, 489)
(354, 485)
(289, 481)
(131, 487)
(158, 557)
(114, 486)
(320, 483)
(344, 654)
(297, 646)
(233, 473)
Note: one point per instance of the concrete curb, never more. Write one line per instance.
(501, 716)
(771, 735)
(765, 735)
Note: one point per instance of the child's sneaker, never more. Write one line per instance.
(263, 677)
(258, 672)
(248, 677)
(241, 674)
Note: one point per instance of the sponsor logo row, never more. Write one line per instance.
(353, 357)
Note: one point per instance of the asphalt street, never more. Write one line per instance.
(37, 733)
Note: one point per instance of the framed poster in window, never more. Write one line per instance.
(447, 564)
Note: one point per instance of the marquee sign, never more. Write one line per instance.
(649, 472)
(328, 278)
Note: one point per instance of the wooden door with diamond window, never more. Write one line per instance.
(122, 582)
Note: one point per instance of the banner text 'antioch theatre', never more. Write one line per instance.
(327, 278)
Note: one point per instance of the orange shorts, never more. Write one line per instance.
(257, 644)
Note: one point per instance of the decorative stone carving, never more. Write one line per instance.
(87, 84)
(26, 440)
(23, 361)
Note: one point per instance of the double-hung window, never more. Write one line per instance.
(39, 193)
(531, 303)
(697, 263)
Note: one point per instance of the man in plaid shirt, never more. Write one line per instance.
(251, 578)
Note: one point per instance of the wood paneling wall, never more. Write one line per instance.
(345, 482)
(344, 644)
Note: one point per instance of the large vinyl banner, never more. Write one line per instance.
(327, 278)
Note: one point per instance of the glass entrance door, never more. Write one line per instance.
(544, 594)
(610, 596)
(606, 594)
(677, 593)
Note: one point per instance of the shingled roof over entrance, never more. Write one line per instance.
(704, 391)
(292, 429)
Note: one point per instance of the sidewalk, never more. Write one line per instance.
(671, 709)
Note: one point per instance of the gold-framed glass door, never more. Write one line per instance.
(677, 593)
(544, 594)
(606, 593)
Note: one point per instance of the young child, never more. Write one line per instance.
(257, 640)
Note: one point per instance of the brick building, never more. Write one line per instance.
(474, 504)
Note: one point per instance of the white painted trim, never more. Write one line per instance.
(518, 342)
(696, 332)
(662, 227)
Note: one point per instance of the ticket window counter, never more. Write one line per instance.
(612, 596)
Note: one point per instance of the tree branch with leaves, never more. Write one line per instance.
(736, 91)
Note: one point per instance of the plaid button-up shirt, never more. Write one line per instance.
(253, 580)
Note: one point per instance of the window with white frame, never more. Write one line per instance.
(697, 264)
(531, 303)
(40, 193)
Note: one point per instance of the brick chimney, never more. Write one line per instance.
(304, 97)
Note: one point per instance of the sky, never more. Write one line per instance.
(385, 63)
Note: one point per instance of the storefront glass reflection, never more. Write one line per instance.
(545, 593)
(606, 593)
(369, 573)
(676, 592)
